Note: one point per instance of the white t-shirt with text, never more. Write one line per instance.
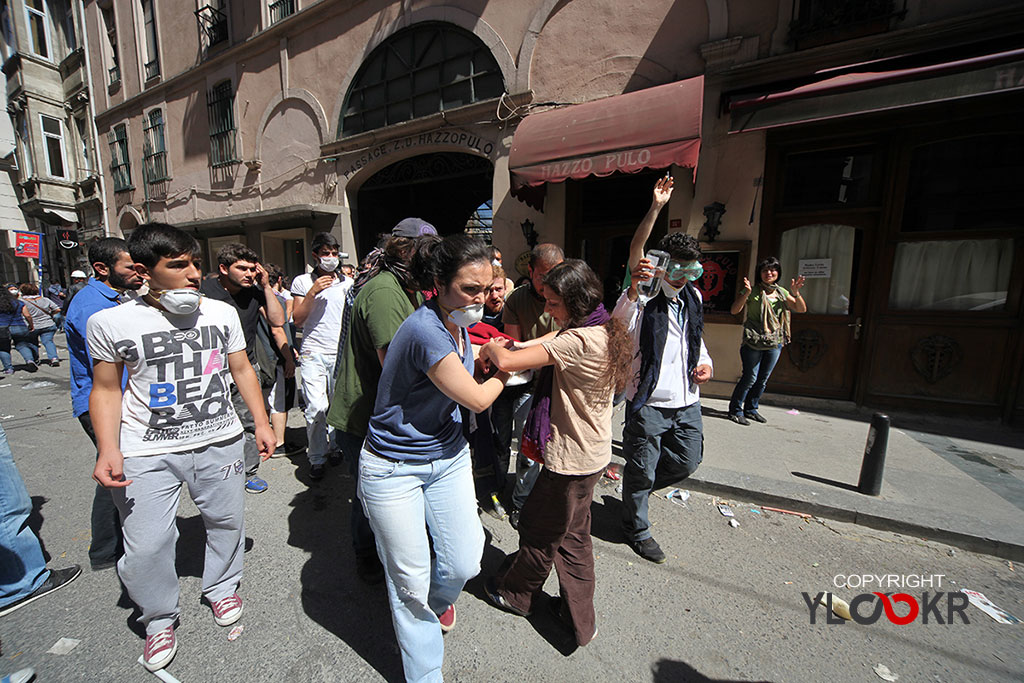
(178, 394)
(322, 328)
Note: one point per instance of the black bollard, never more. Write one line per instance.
(874, 456)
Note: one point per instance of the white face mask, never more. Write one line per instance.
(467, 315)
(670, 291)
(329, 264)
(14, 292)
(178, 301)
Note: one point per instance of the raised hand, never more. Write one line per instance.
(643, 272)
(663, 190)
(746, 286)
(796, 284)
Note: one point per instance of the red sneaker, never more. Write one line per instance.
(228, 610)
(159, 650)
(447, 619)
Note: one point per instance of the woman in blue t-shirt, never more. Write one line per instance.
(415, 476)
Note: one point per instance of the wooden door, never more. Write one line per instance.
(826, 342)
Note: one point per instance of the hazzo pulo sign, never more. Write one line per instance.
(454, 137)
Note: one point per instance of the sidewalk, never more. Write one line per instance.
(965, 490)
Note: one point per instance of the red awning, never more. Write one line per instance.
(862, 92)
(652, 128)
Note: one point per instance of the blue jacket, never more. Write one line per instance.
(94, 296)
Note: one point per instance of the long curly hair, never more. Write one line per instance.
(577, 285)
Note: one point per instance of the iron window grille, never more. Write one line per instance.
(213, 22)
(154, 152)
(422, 70)
(220, 105)
(120, 167)
(281, 9)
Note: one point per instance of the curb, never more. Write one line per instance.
(970, 542)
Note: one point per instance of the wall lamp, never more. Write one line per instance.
(529, 233)
(713, 213)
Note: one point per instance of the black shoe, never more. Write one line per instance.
(32, 367)
(334, 459)
(494, 597)
(58, 579)
(55, 363)
(649, 550)
(369, 569)
(513, 518)
(740, 420)
(316, 472)
(755, 416)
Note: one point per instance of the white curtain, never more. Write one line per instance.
(955, 275)
(829, 295)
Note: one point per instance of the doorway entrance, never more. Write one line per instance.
(445, 189)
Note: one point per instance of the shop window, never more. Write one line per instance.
(53, 137)
(420, 71)
(220, 106)
(120, 166)
(966, 184)
(152, 63)
(154, 159)
(952, 275)
(825, 253)
(35, 19)
(831, 178)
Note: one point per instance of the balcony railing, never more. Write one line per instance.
(155, 166)
(115, 75)
(152, 69)
(281, 9)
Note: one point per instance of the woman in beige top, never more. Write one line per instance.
(570, 431)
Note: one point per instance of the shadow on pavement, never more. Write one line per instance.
(35, 522)
(332, 594)
(823, 480)
(606, 519)
(674, 671)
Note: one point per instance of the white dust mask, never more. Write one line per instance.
(179, 301)
(329, 264)
(670, 291)
(467, 315)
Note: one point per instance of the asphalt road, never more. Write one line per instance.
(727, 606)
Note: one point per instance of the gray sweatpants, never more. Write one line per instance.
(215, 476)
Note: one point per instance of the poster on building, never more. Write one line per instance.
(725, 264)
(815, 268)
(26, 244)
(67, 239)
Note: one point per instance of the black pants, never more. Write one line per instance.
(107, 542)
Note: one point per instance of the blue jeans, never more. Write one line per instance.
(661, 446)
(22, 567)
(21, 338)
(45, 338)
(757, 368)
(404, 502)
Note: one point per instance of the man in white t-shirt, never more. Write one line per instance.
(173, 425)
(319, 304)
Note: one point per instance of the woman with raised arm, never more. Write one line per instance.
(569, 430)
(765, 332)
(415, 477)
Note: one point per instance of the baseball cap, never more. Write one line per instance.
(78, 273)
(413, 227)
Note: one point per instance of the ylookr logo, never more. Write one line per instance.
(867, 608)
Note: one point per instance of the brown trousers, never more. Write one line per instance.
(554, 529)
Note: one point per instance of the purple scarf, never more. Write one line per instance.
(537, 431)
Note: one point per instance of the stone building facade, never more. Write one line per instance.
(809, 129)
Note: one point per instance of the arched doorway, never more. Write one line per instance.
(444, 189)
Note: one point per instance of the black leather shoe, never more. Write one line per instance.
(740, 420)
(316, 472)
(755, 416)
(649, 550)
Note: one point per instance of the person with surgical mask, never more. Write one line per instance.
(174, 426)
(662, 440)
(319, 306)
(415, 476)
